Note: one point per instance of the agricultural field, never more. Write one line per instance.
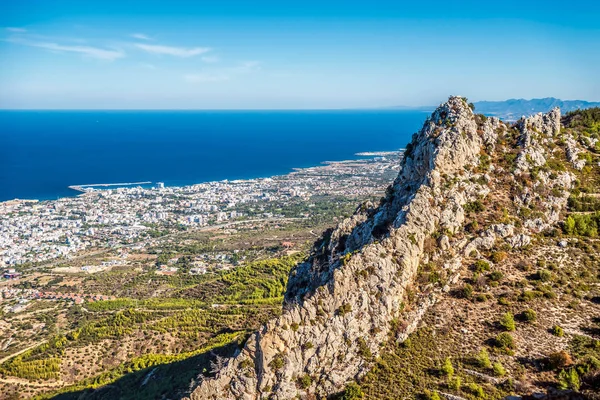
(153, 317)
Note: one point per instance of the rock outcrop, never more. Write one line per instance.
(341, 303)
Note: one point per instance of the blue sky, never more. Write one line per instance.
(293, 54)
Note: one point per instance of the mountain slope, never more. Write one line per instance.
(362, 282)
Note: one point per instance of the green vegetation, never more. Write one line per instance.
(558, 331)
(584, 203)
(569, 379)
(587, 120)
(508, 322)
(481, 266)
(305, 381)
(582, 224)
(499, 369)
(353, 392)
(529, 315)
(476, 389)
(447, 369)
(474, 207)
(344, 309)
(505, 341)
(246, 297)
(432, 363)
(483, 359)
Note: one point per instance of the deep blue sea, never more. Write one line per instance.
(43, 152)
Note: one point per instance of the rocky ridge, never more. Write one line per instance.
(358, 283)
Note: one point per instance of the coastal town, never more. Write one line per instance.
(34, 232)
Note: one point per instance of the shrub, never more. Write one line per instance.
(560, 360)
(503, 301)
(544, 275)
(476, 390)
(455, 383)
(277, 362)
(498, 256)
(483, 359)
(481, 266)
(344, 309)
(582, 224)
(467, 291)
(363, 348)
(558, 331)
(305, 381)
(307, 346)
(429, 395)
(508, 322)
(505, 341)
(499, 369)
(447, 368)
(529, 315)
(568, 379)
(353, 392)
(474, 206)
(496, 276)
(294, 326)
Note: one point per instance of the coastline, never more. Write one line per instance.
(81, 189)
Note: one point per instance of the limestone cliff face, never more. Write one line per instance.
(342, 302)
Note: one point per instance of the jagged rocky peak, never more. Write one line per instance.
(358, 281)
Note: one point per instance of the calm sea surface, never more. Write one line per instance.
(43, 152)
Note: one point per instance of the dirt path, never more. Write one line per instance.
(25, 382)
(3, 360)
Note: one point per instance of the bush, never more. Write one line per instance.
(508, 322)
(455, 383)
(569, 379)
(483, 359)
(499, 369)
(558, 331)
(353, 392)
(429, 395)
(447, 368)
(307, 346)
(344, 309)
(363, 348)
(467, 291)
(474, 206)
(476, 390)
(277, 362)
(305, 381)
(544, 275)
(505, 341)
(529, 315)
(498, 256)
(560, 360)
(481, 266)
(496, 276)
(582, 224)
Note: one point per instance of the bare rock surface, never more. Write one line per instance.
(340, 304)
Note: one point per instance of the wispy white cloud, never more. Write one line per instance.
(16, 30)
(223, 74)
(140, 36)
(211, 59)
(173, 51)
(88, 51)
(148, 66)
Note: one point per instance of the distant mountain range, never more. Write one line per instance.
(513, 109)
